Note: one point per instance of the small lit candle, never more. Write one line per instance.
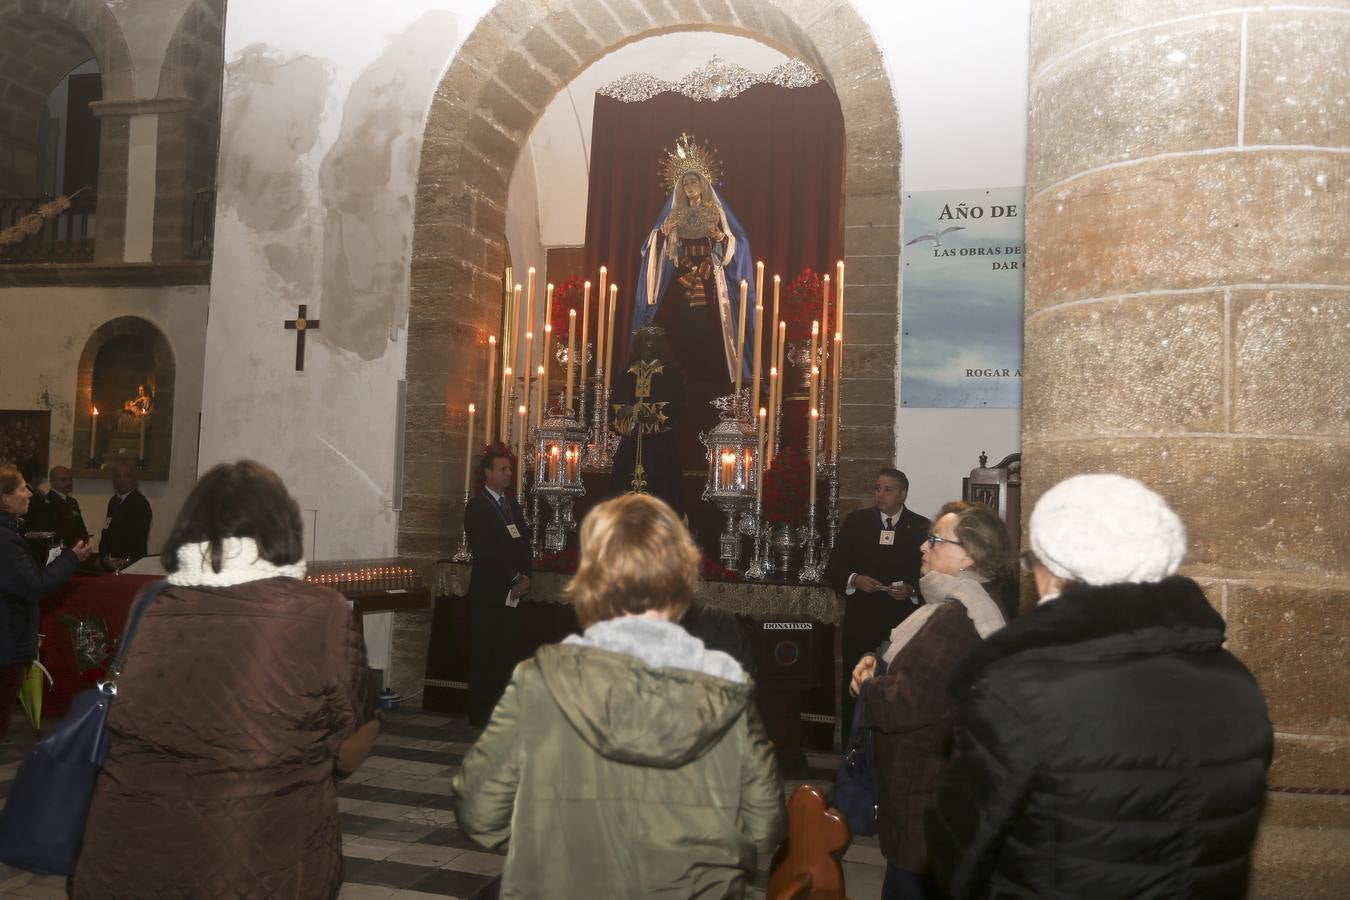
(571, 355)
(570, 458)
(728, 468)
(492, 375)
(554, 472)
(468, 453)
(520, 456)
(759, 455)
(93, 430)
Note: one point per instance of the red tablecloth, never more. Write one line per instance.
(106, 596)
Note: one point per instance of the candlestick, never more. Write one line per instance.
(491, 388)
(601, 298)
(571, 354)
(520, 455)
(772, 414)
(834, 398)
(468, 452)
(759, 455)
(544, 369)
(93, 431)
(609, 335)
(811, 439)
(740, 342)
(507, 374)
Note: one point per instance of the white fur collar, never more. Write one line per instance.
(240, 564)
(659, 644)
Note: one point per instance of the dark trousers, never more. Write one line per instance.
(902, 885)
(492, 658)
(11, 679)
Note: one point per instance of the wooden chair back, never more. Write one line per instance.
(807, 866)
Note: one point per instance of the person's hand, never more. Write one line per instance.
(867, 584)
(83, 550)
(520, 588)
(668, 225)
(900, 591)
(864, 670)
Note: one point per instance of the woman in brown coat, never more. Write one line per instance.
(967, 560)
(245, 690)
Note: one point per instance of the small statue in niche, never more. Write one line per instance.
(134, 411)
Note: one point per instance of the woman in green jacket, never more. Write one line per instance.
(627, 761)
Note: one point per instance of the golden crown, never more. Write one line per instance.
(690, 156)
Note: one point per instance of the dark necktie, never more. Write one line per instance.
(887, 522)
(506, 510)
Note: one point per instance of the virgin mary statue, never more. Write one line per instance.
(692, 265)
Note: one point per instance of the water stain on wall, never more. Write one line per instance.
(367, 183)
(271, 112)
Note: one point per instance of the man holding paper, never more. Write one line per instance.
(875, 566)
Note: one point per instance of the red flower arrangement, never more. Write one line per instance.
(786, 487)
(802, 305)
(567, 296)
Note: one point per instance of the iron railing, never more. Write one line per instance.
(65, 237)
(202, 236)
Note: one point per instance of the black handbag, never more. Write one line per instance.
(42, 824)
(855, 783)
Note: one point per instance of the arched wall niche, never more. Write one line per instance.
(122, 355)
(497, 86)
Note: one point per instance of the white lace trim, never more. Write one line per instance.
(240, 564)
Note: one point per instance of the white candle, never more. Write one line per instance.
(585, 333)
(93, 430)
(773, 411)
(602, 297)
(468, 452)
(740, 342)
(571, 354)
(834, 399)
(507, 373)
(754, 369)
(140, 454)
(811, 426)
(609, 334)
(491, 388)
(544, 369)
(541, 375)
(520, 457)
(759, 455)
(527, 369)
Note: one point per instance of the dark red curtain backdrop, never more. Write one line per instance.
(782, 154)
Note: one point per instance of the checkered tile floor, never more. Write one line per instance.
(400, 838)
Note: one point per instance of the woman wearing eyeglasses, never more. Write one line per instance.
(967, 561)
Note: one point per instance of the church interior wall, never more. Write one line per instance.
(42, 374)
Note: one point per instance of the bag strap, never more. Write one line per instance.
(142, 603)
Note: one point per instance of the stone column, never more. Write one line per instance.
(127, 176)
(1188, 323)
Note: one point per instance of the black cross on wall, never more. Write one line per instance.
(300, 325)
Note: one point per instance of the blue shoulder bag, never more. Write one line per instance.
(42, 824)
(855, 784)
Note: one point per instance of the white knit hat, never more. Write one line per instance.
(1104, 529)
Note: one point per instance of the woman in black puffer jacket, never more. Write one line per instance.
(1109, 747)
(22, 585)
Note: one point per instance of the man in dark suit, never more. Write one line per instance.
(875, 566)
(39, 517)
(127, 529)
(500, 543)
(63, 510)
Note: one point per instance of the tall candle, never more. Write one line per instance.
(609, 334)
(527, 369)
(759, 283)
(815, 388)
(600, 299)
(834, 398)
(839, 295)
(773, 336)
(782, 371)
(508, 318)
(773, 411)
(140, 454)
(529, 301)
(541, 374)
(740, 341)
(93, 430)
(548, 304)
(491, 388)
(811, 426)
(754, 369)
(824, 310)
(571, 354)
(811, 360)
(759, 455)
(520, 457)
(585, 333)
(544, 368)
(507, 375)
(468, 452)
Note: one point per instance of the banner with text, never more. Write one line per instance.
(962, 316)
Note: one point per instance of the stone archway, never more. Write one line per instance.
(508, 69)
